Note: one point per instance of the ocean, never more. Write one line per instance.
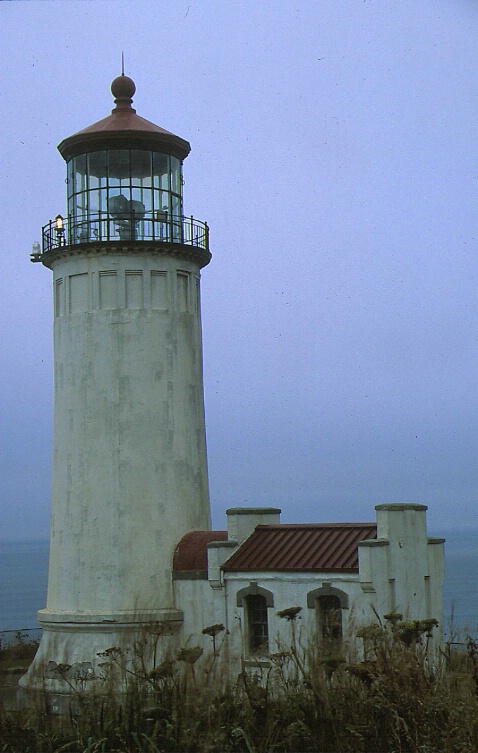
(24, 575)
(23, 585)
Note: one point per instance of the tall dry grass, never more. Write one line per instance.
(399, 698)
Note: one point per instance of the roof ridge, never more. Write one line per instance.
(317, 525)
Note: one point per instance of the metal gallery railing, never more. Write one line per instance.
(125, 226)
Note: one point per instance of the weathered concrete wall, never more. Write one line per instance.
(242, 521)
(401, 571)
(286, 590)
(129, 467)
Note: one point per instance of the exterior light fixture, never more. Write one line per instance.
(60, 229)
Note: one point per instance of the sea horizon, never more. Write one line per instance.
(24, 577)
(437, 532)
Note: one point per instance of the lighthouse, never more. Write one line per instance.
(129, 464)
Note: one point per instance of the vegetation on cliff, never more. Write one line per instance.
(397, 697)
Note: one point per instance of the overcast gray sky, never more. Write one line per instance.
(334, 155)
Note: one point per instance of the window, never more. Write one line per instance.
(255, 601)
(123, 194)
(329, 603)
(329, 614)
(256, 624)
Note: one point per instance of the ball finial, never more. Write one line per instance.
(123, 87)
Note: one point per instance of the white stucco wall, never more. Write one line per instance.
(129, 466)
(288, 590)
(401, 571)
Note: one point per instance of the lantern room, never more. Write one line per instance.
(124, 183)
(130, 189)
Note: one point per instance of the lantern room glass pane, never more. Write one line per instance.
(161, 201)
(70, 177)
(161, 171)
(175, 175)
(141, 166)
(94, 201)
(97, 169)
(119, 166)
(118, 201)
(144, 197)
(175, 205)
(79, 172)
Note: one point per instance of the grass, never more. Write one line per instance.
(398, 699)
(16, 656)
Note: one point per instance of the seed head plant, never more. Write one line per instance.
(397, 696)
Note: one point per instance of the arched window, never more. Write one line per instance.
(255, 601)
(329, 603)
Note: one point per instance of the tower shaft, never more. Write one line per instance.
(129, 469)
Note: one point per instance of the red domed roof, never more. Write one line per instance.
(123, 129)
(190, 554)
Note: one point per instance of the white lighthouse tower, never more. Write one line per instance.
(129, 467)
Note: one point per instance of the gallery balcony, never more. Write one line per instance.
(123, 227)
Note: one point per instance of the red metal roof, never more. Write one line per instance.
(123, 129)
(190, 554)
(328, 547)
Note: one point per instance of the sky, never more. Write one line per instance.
(335, 158)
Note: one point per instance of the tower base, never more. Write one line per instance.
(82, 654)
